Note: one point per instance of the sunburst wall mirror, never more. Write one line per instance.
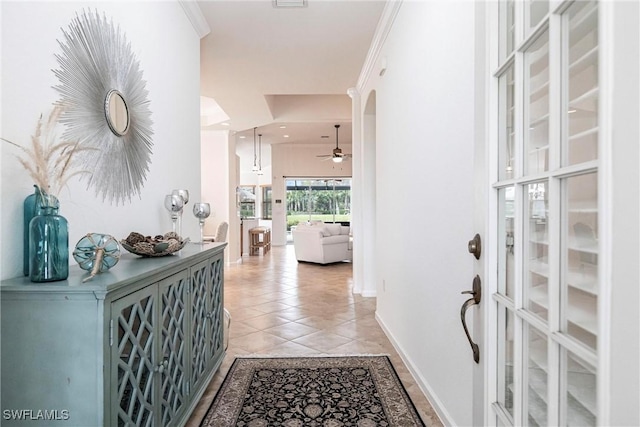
(106, 106)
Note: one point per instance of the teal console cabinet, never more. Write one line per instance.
(135, 346)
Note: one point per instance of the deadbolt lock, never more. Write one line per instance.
(475, 246)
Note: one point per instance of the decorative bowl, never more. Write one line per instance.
(147, 246)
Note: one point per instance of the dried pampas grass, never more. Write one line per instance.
(49, 162)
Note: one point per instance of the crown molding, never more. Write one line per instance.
(385, 24)
(196, 17)
(310, 144)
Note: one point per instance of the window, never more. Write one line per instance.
(266, 202)
(327, 200)
(247, 201)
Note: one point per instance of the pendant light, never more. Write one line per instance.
(337, 157)
(255, 165)
(260, 154)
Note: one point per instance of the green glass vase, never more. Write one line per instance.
(29, 211)
(48, 242)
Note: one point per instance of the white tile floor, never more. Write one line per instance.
(281, 307)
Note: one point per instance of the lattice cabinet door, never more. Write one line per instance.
(149, 354)
(206, 317)
(133, 358)
(215, 305)
(172, 365)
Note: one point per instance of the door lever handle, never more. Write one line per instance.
(475, 299)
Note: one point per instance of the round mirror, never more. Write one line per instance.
(117, 113)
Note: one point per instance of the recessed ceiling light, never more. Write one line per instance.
(285, 136)
(225, 124)
(242, 137)
(283, 127)
(289, 3)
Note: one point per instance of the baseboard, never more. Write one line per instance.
(369, 294)
(436, 404)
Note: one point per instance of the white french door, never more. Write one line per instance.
(546, 194)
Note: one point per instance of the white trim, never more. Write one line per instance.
(196, 17)
(385, 24)
(605, 207)
(369, 293)
(427, 390)
(519, 106)
(508, 63)
(538, 32)
(322, 145)
(490, 306)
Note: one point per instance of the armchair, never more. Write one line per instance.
(322, 243)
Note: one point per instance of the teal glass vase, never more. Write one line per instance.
(48, 242)
(29, 211)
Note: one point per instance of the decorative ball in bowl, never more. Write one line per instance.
(148, 246)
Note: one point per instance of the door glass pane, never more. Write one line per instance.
(506, 122)
(505, 360)
(536, 259)
(579, 388)
(537, 109)
(582, 83)
(580, 258)
(548, 260)
(537, 10)
(507, 30)
(506, 237)
(537, 395)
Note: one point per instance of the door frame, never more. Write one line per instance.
(485, 212)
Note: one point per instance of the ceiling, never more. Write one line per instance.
(270, 67)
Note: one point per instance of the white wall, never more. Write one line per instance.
(168, 49)
(298, 161)
(216, 183)
(424, 136)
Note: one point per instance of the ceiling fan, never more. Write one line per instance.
(337, 156)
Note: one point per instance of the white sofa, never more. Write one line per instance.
(322, 243)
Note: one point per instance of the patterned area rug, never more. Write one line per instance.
(350, 391)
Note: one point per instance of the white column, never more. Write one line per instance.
(356, 191)
(233, 239)
(370, 252)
